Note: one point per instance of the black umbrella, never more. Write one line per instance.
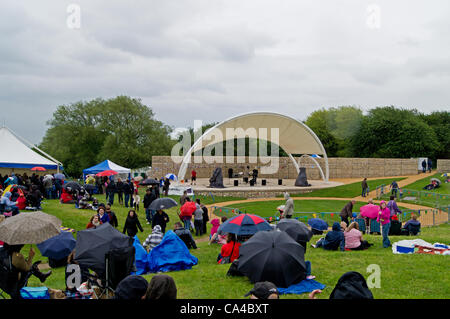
(149, 181)
(73, 185)
(296, 229)
(272, 256)
(162, 203)
(94, 243)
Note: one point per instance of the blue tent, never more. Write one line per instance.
(104, 166)
(171, 255)
(141, 257)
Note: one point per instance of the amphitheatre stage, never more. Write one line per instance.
(271, 189)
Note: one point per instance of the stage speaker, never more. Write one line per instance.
(252, 182)
(246, 180)
(236, 182)
(263, 182)
(280, 182)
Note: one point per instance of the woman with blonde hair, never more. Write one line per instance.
(353, 238)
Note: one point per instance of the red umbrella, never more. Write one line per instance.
(38, 168)
(107, 173)
(188, 209)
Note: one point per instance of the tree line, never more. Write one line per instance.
(125, 130)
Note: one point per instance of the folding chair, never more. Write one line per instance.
(362, 224)
(119, 263)
(374, 226)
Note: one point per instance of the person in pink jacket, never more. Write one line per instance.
(384, 216)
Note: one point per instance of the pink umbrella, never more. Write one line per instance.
(370, 211)
(107, 173)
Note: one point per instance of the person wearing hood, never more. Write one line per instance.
(185, 235)
(288, 206)
(352, 285)
(132, 224)
(347, 212)
(132, 287)
(9, 206)
(384, 218)
(215, 226)
(161, 219)
(161, 287)
(333, 240)
(154, 238)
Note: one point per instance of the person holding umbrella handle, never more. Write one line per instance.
(24, 265)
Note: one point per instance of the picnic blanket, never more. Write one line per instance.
(419, 246)
(302, 287)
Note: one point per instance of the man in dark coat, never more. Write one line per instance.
(333, 240)
(430, 164)
(424, 166)
(148, 199)
(161, 219)
(127, 191)
(347, 211)
(364, 187)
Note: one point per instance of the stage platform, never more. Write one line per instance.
(271, 189)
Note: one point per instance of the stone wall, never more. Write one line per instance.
(443, 165)
(339, 167)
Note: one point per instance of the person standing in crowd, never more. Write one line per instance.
(394, 188)
(166, 187)
(205, 218)
(384, 218)
(112, 216)
(193, 176)
(161, 219)
(119, 188)
(98, 183)
(424, 166)
(392, 205)
(288, 206)
(111, 190)
(148, 199)
(48, 184)
(155, 190)
(198, 218)
(429, 164)
(347, 212)
(183, 198)
(364, 187)
(127, 192)
(132, 224)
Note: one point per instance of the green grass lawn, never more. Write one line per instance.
(402, 276)
(305, 208)
(348, 190)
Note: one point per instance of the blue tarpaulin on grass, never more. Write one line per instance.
(171, 255)
(307, 285)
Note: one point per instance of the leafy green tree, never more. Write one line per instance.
(440, 123)
(121, 129)
(396, 133)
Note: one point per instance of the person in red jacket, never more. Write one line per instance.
(230, 249)
(21, 202)
(66, 197)
(193, 176)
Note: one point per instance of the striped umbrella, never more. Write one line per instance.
(244, 224)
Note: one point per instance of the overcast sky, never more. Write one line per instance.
(211, 59)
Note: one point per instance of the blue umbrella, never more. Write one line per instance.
(58, 247)
(60, 176)
(318, 224)
(172, 177)
(244, 224)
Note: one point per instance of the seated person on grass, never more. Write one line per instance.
(185, 235)
(154, 239)
(333, 240)
(353, 238)
(412, 226)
